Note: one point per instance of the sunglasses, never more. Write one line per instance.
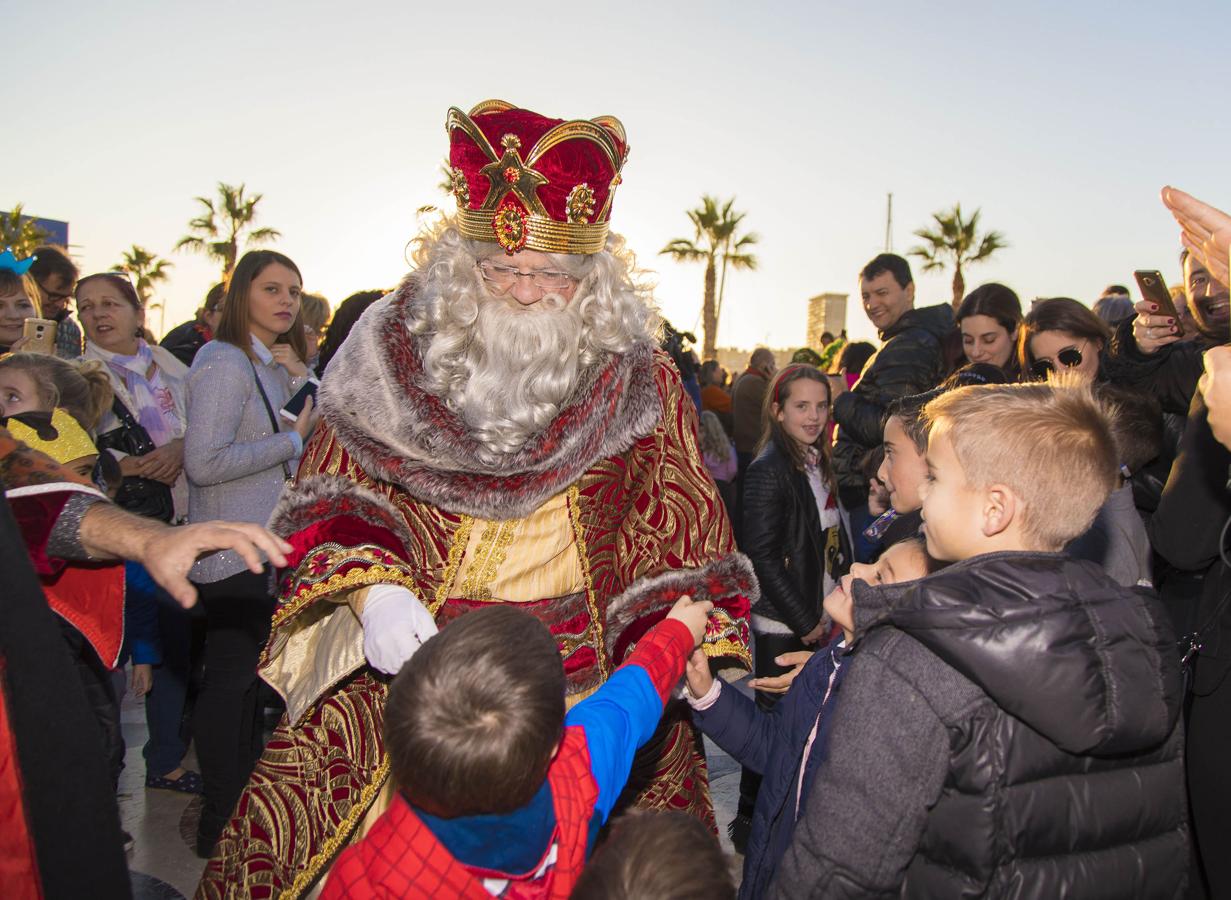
(1068, 358)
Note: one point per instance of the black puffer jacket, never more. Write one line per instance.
(782, 536)
(1008, 728)
(909, 362)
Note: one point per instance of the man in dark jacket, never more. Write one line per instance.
(910, 361)
(1186, 531)
(1009, 725)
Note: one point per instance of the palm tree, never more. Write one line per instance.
(147, 269)
(715, 238)
(19, 233)
(956, 240)
(225, 227)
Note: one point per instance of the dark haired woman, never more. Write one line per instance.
(145, 427)
(792, 534)
(989, 319)
(238, 456)
(1060, 334)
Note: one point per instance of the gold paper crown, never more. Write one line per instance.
(71, 443)
(545, 201)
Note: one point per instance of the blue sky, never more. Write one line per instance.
(1061, 121)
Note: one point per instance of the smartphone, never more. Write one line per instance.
(1154, 289)
(294, 406)
(40, 335)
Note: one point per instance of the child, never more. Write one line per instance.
(1117, 539)
(664, 854)
(1010, 723)
(33, 382)
(903, 469)
(792, 533)
(499, 791)
(785, 744)
(60, 436)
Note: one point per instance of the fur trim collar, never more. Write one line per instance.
(399, 432)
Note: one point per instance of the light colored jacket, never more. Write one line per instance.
(234, 460)
(174, 375)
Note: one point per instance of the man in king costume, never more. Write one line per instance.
(500, 429)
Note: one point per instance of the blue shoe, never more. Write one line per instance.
(188, 783)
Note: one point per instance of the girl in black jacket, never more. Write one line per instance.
(792, 533)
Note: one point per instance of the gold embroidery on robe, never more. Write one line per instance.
(521, 560)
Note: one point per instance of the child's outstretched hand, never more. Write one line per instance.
(780, 684)
(693, 614)
(698, 673)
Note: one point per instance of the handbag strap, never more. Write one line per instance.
(269, 411)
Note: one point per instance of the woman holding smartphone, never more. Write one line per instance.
(238, 456)
(18, 301)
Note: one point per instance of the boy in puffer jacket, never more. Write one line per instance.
(1009, 726)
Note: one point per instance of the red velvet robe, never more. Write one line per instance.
(386, 495)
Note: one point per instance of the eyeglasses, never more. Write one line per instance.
(55, 296)
(1069, 358)
(500, 279)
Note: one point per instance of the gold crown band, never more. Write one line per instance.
(542, 233)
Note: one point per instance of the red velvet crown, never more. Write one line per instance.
(548, 187)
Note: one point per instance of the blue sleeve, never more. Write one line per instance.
(141, 615)
(617, 719)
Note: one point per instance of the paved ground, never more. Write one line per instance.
(163, 823)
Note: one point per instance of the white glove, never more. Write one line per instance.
(395, 625)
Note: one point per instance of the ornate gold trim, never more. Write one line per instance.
(492, 551)
(573, 497)
(461, 537)
(577, 129)
(542, 233)
(455, 118)
(611, 123)
(334, 843)
(489, 106)
(727, 647)
(368, 575)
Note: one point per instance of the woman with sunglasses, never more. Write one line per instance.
(1061, 334)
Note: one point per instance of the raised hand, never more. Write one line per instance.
(1206, 230)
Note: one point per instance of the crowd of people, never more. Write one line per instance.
(523, 546)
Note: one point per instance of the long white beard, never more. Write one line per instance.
(522, 365)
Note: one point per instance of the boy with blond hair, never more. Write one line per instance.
(1011, 728)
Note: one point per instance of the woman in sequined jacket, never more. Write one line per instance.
(238, 455)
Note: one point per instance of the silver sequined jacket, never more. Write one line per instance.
(233, 458)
